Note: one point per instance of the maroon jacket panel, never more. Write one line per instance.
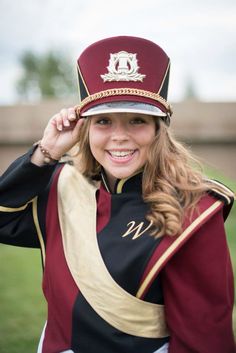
(198, 291)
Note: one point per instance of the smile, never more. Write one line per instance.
(121, 154)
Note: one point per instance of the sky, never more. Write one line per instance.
(199, 36)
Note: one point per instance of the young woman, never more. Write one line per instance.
(132, 236)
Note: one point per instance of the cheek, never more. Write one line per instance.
(93, 144)
(92, 141)
(147, 137)
(96, 141)
(92, 136)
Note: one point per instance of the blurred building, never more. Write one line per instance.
(209, 129)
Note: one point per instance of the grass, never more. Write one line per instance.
(230, 226)
(22, 306)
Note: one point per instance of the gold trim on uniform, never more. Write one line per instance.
(37, 226)
(35, 218)
(174, 245)
(226, 197)
(228, 194)
(122, 92)
(77, 215)
(81, 76)
(14, 209)
(167, 69)
(121, 182)
(105, 183)
(120, 185)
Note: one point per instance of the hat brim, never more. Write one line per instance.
(124, 107)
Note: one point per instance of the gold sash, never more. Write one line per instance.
(77, 215)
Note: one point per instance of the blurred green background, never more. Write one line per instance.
(22, 306)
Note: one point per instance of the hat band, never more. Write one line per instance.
(124, 91)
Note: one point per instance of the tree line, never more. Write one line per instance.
(48, 75)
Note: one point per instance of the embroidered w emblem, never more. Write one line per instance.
(137, 230)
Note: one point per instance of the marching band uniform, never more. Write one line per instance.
(110, 286)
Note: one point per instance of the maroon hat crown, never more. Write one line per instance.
(123, 68)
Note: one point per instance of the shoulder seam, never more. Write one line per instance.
(225, 194)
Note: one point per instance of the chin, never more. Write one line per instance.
(125, 174)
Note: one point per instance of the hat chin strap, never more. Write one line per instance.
(124, 92)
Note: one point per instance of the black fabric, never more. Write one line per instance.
(19, 184)
(91, 334)
(164, 89)
(82, 89)
(125, 258)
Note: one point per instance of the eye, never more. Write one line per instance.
(137, 121)
(102, 121)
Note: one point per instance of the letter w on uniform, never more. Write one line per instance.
(137, 230)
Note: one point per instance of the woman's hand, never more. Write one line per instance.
(60, 135)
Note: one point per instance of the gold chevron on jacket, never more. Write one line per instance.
(77, 216)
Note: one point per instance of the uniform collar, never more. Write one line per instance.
(127, 185)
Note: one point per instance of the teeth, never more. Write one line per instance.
(121, 153)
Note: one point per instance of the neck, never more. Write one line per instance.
(114, 185)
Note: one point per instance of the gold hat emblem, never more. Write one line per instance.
(123, 66)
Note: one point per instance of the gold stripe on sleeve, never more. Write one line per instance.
(35, 218)
(14, 209)
(37, 226)
(174, 245)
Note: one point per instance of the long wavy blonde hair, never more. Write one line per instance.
(172, 178)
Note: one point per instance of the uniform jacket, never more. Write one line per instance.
(110, 286)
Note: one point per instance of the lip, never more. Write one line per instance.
(121, 155)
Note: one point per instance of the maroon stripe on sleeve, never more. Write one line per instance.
(59, 287)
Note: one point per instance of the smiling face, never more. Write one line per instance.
(120, 142)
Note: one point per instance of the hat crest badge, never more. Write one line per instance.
(123, 66)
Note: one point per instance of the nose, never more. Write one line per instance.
(120, 132)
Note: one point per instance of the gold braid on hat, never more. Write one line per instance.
(124, 91)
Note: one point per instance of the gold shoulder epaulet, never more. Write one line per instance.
(221, 191)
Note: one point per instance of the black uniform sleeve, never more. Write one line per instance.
(21, 186)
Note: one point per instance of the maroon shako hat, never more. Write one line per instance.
(125, 70)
